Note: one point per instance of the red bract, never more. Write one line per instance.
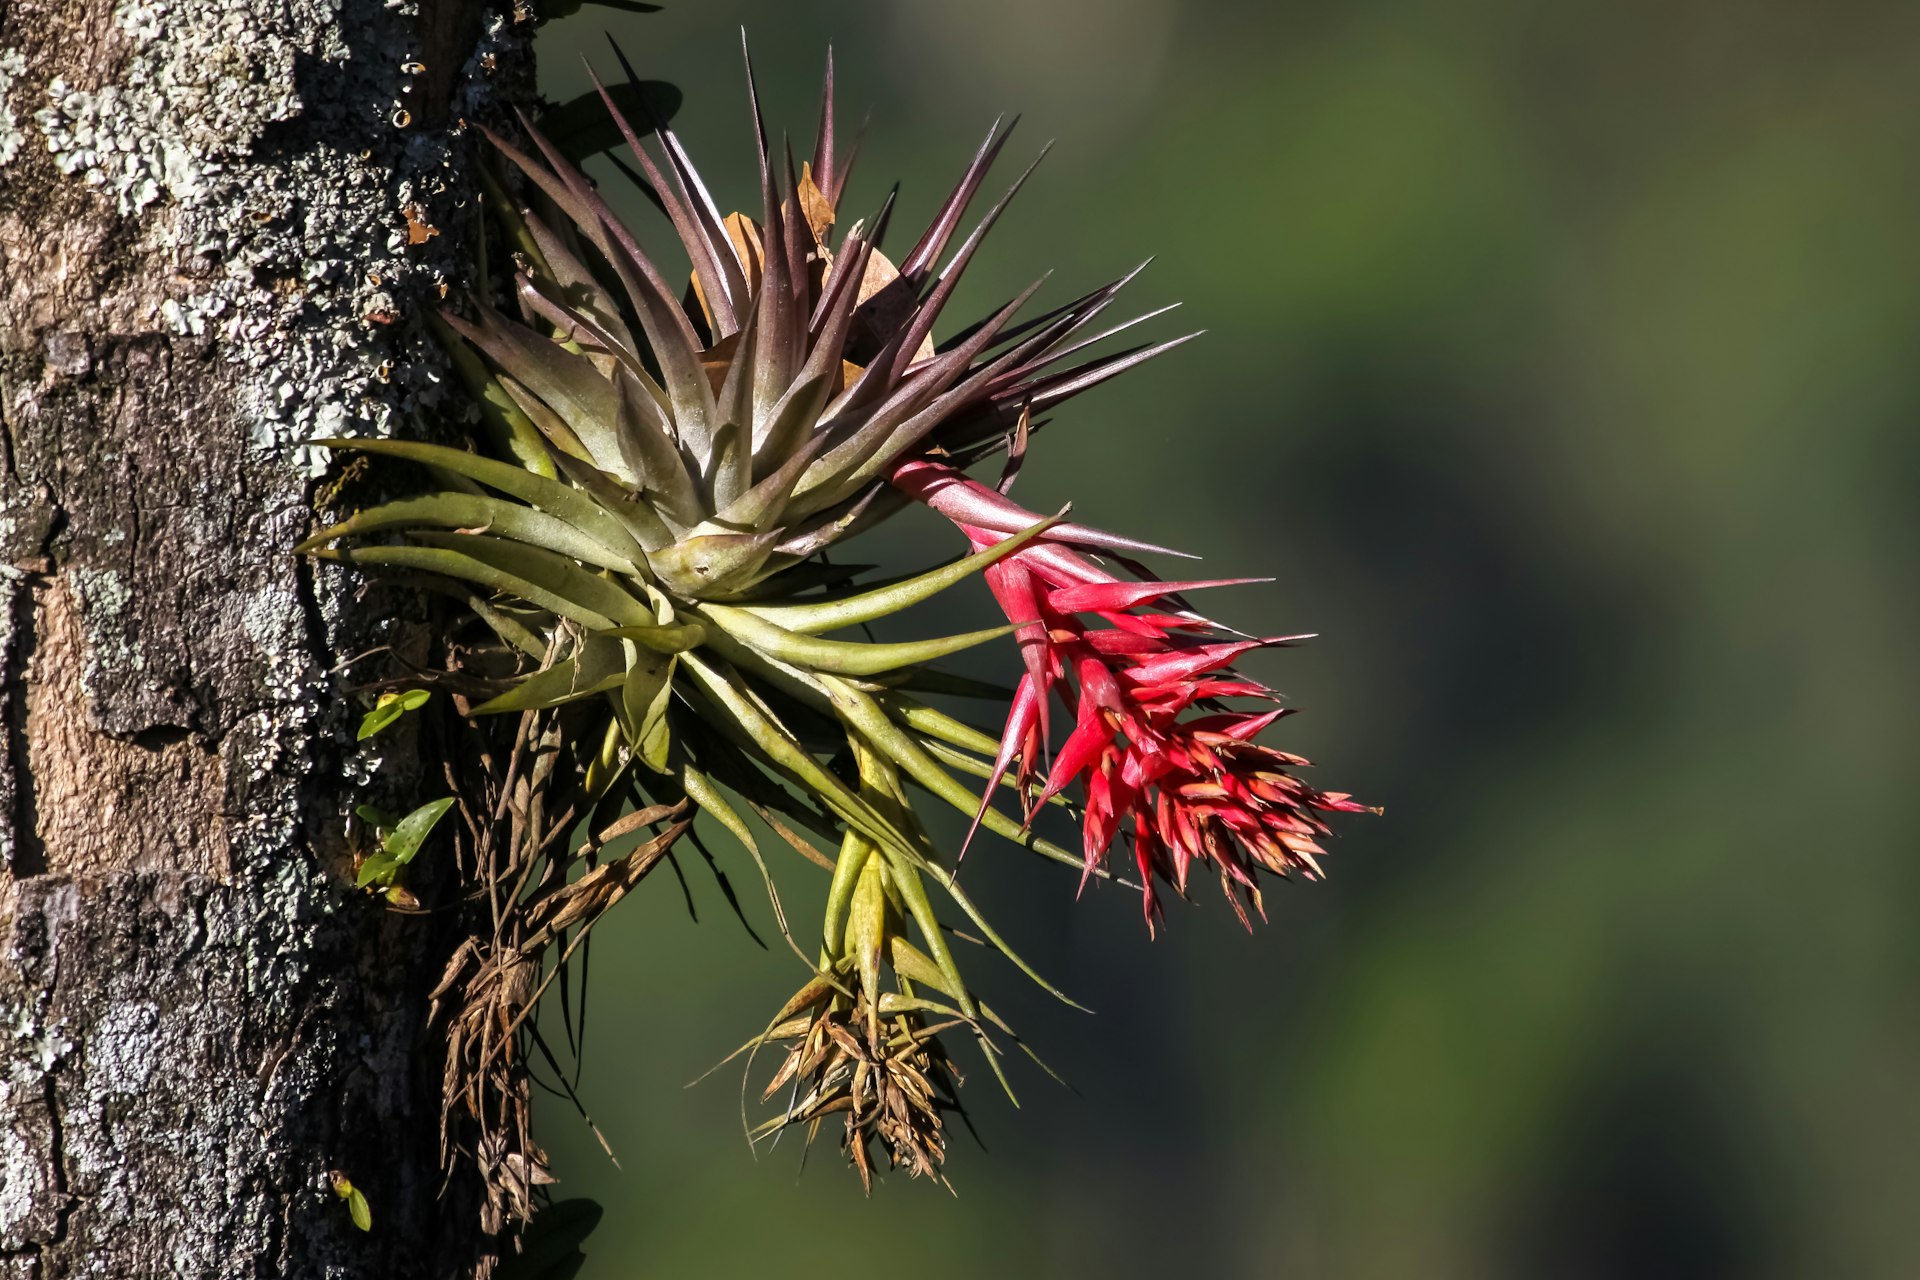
(1153, 744)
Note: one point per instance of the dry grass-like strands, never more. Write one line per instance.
(534, 896)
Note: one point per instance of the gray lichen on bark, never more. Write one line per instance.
(206, 261)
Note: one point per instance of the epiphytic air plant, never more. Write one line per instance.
(672, 452)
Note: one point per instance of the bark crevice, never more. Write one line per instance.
(23, 853)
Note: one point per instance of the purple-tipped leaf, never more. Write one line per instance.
(822, 164)
(831, 480)
(699, 202)
(920, 328)
(1048, 392)
(756, 510)
(933, 242)
(578, 287)
(725, 290)
(567, 383)
(646, 443)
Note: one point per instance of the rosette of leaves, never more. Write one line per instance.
(671, 448)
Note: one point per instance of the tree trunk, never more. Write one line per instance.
(219, 220)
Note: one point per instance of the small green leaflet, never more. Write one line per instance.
(406, 838)
(376, 869)
(400, 843)
(357, 1207)
(390, 708)
(377, 818)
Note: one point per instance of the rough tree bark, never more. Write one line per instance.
(218, 220)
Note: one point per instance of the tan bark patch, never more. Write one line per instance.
(103, 804)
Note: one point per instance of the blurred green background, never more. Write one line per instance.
(1562, 366)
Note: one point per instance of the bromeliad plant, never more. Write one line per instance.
(671, 453)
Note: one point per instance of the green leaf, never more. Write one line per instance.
(915, 966)
(645, 697)
(670, 336)
(618, 499)
(556, 574)
(744, 721)
(983, 769)
(843, 657)
(920, 908)
(566, 382)
(478, 511)
(867, 921)
(389, 708)
(455, 564)
(552, 427)
(703, 793)
(854, 851)
(356, 1203)
(512, 217)
(377, 868)
(568, 503)
(916, 755)
(598, 665)
(675, 637)
(732, 464)
(866, 606)
(412, 829)
(648, 446)
(935, 723)
(605, 766)
(378, 819)
(711, 564)
(886, 737)
(797, 413)
(509, 427)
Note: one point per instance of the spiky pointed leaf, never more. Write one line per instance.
(813, 618)
(919, 263)
(647, 444)
(619, 500)
(476, 511)
(596, 666)
(567, 383)
(841, 656)
(561, 576)
(722, 289)
(454, 564)
(756, 510)
(549, 495)
(832, 477)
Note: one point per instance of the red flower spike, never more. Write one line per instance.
(1185, 788)
(1113, 597)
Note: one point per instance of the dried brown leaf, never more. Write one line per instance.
(814, 205)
